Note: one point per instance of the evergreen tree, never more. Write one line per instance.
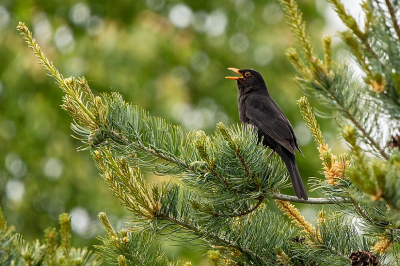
(219, 182)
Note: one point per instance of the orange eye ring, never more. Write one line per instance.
(247, 74)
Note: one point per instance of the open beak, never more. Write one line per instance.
(237, 71)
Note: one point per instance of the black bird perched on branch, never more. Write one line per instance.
(256, 107)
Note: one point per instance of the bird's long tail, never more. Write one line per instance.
(291, 165)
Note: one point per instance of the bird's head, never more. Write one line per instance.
(249, 80)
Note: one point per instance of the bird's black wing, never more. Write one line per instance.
(266, 115)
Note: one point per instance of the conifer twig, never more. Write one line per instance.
(282, 258)
(245, 165)
(361, 128)
(294, 19)
(65, 232)
(65, 84)
(235, 147)
(334, 169)
(384, 245)
(393, 17)
(260, 200)
(295, 216)
(122, 260)
(351, 23)
(150, 151)
(309, 200)
(165, 157)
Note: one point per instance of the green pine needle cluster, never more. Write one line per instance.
(54, 250)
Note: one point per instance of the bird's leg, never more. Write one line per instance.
(272, 152)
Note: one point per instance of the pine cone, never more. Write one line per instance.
(363, 258)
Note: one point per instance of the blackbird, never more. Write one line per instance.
(256, 107)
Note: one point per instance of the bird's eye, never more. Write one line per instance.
(247, 74)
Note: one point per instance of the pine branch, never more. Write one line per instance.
(122, 260)
(310, 200)
(327, 41)
(330, 231)
(216, 238)
(295, 216)
(236, 148)
(260, 200)
(73, 94)
(334, 169)
(360, 128)
(298, 27)
(51, 246)
(131, 247)
(151, 151)
(394, 18)
(347, 19)
(383, 246)
(351, 23)
(65, 233)
(283, 259)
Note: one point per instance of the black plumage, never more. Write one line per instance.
(256, 107)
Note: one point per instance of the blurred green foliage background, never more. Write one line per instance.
(169, 57)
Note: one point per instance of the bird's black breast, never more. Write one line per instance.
(267, 140)
(242, 109)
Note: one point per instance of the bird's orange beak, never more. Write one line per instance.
(237, 71)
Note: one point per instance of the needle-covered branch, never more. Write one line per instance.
(78, 107)
(392, 12)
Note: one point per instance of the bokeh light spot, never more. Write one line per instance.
(239, 43)
(244, 7)
(15, 165)
(263, 55)
(155, 4)
(199, 61)
(15, 190)
(95, 25)
(180, 15)
(52, 168)
(79, 13)
(216, 23)
(205, 115)
(303, 133)
(80, 220)
(42, 27)
(76, 66)
(199, 20)
(181, 73)
(8, 129)
(4, 17)
(272, 13)
(64, 39)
